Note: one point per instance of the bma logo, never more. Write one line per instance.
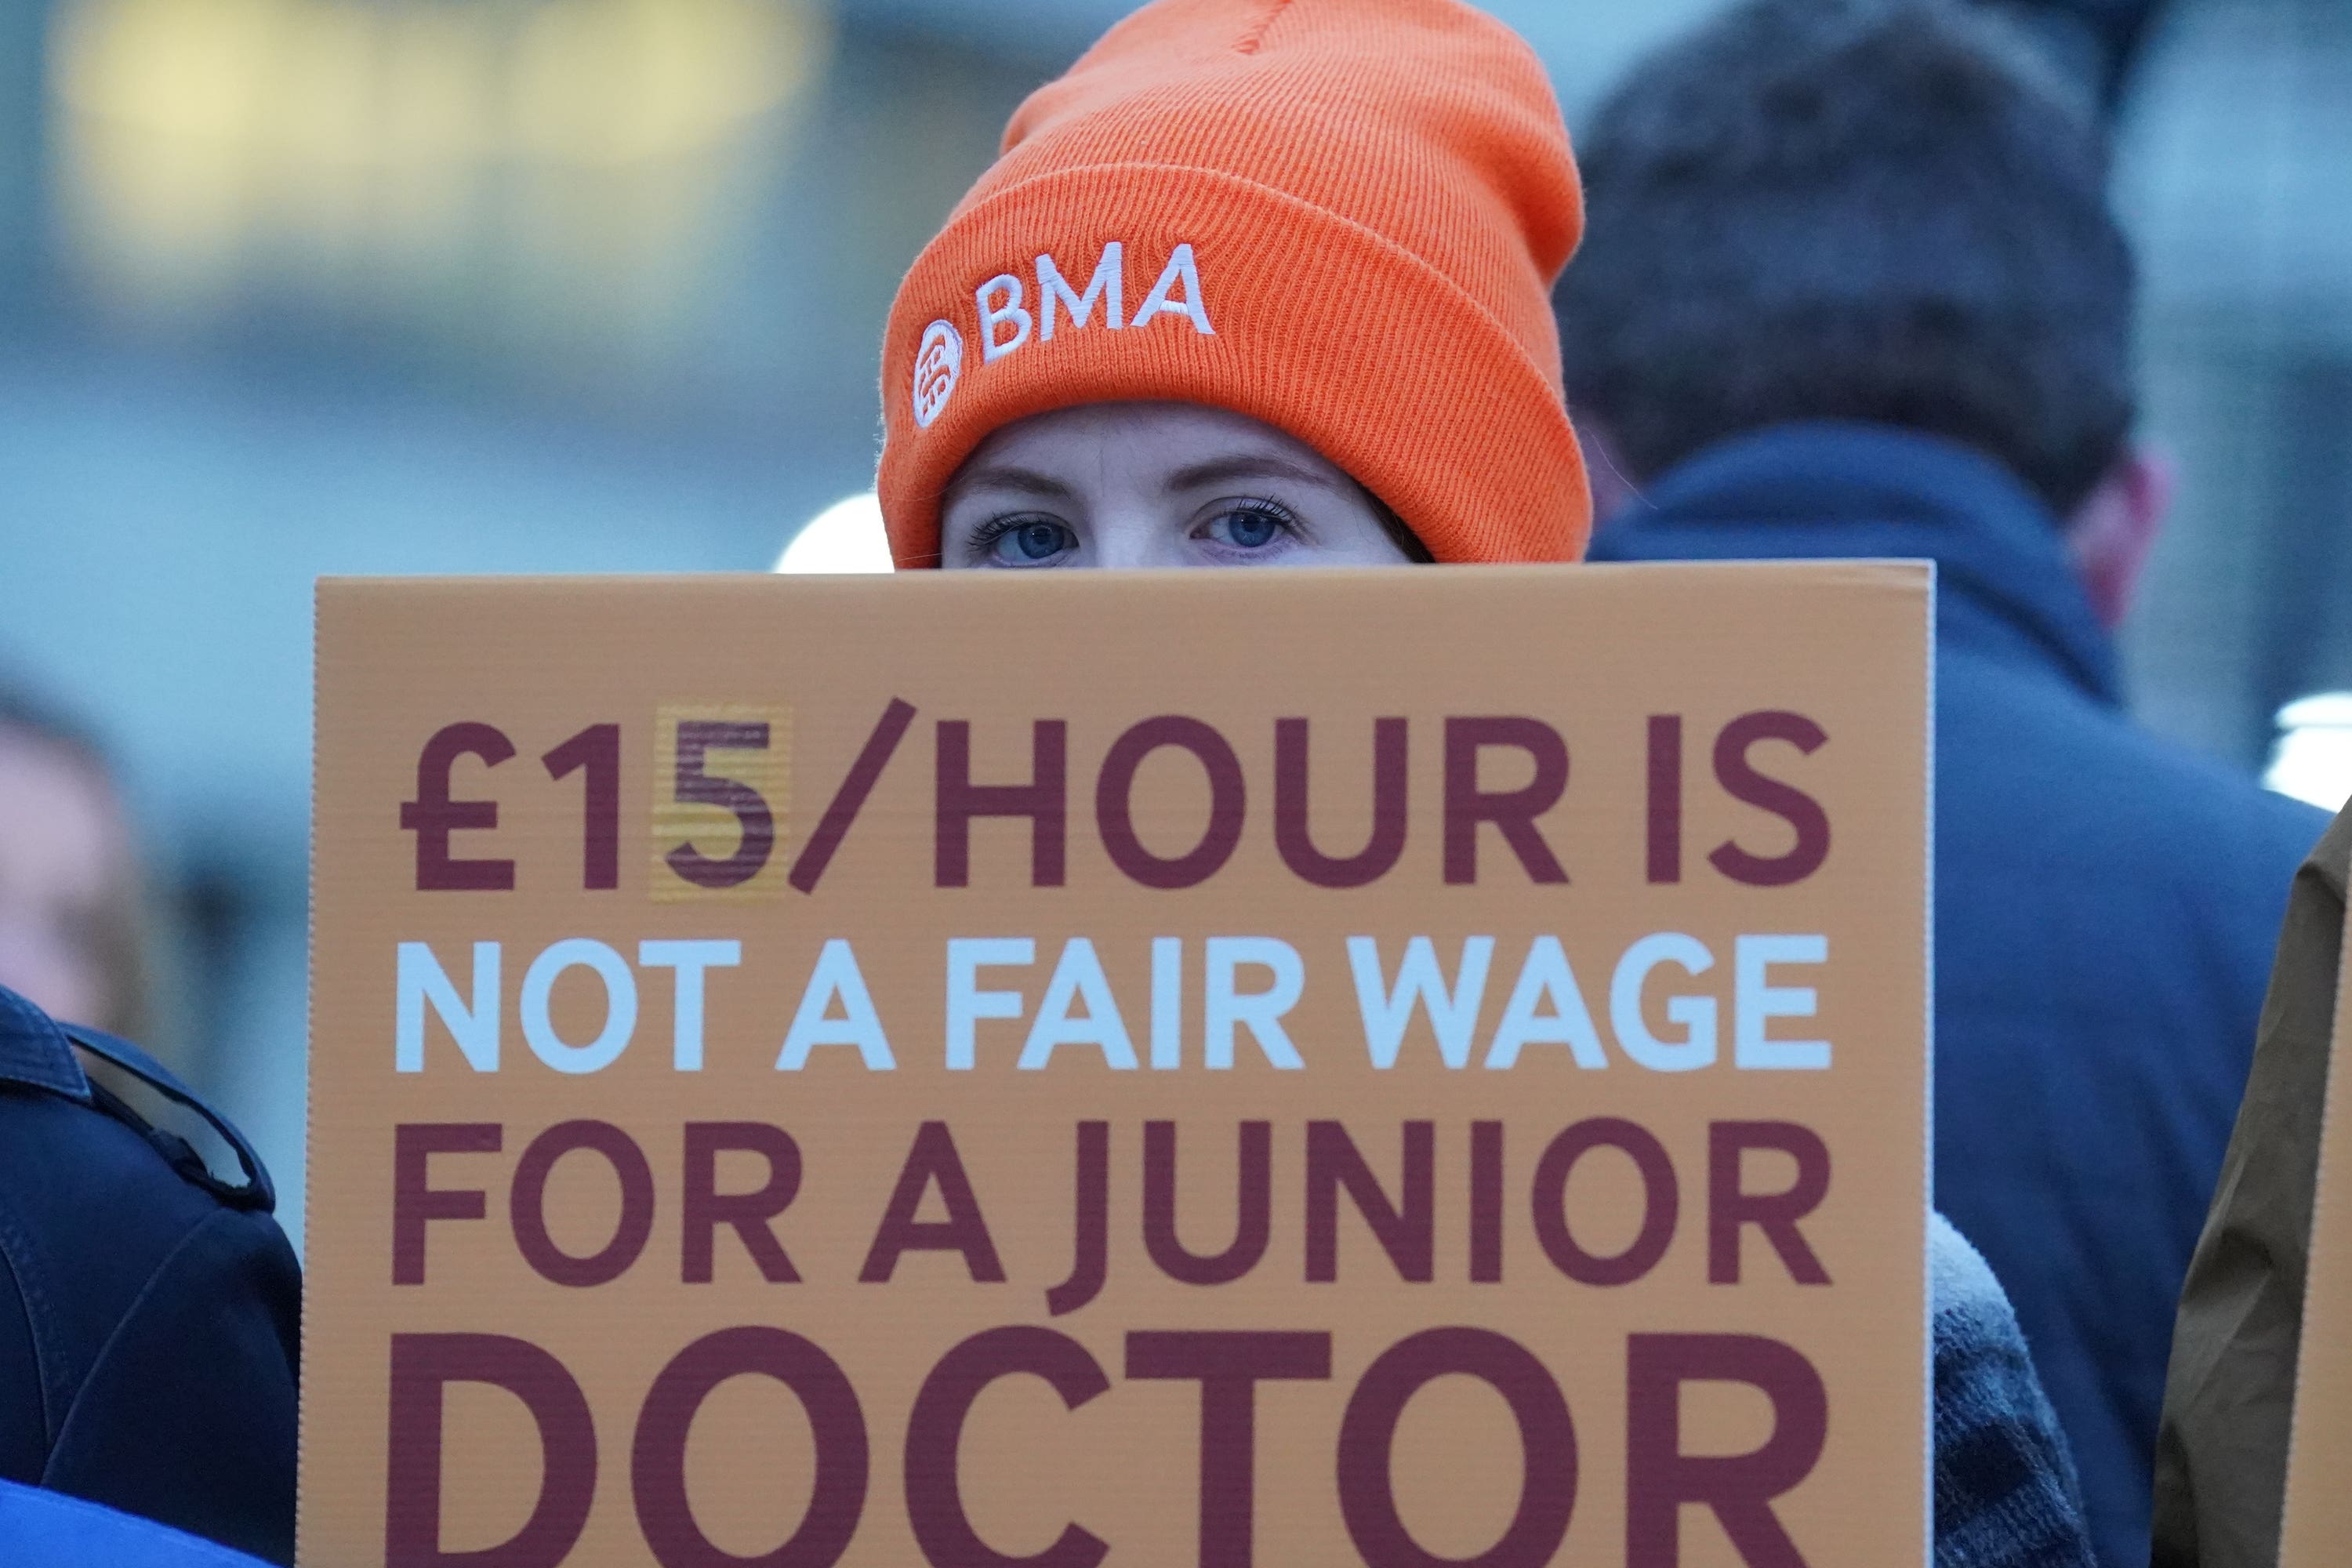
(1007, 320)
(938, 360)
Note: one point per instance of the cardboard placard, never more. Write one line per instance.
(1304, 1067)
(2318, 1517)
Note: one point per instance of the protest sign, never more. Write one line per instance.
(2318, 1517)
(1397, 1068)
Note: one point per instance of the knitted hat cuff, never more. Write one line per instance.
(1317, 325)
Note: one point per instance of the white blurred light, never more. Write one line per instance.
(846, 536)
(2313, 759)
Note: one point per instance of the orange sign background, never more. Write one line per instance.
(1538, 1218)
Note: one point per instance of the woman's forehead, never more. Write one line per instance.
(1174, 445)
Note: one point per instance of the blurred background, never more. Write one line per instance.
(303, 287)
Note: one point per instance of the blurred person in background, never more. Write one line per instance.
(1262, 287)
(149, 1306)
(74, 918)
(1852, 288)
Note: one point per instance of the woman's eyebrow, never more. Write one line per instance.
(1252, 466)
(1011, 476)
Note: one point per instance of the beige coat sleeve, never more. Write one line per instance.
(2220, 1452)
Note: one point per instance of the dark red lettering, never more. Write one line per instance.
(527, 1204)
(1660, 1206)
(1486, 1203)
(1406, 1229)
(755, 836)
(1090, 1221)
(1512, 811)
(1665, 803)
(433, 815)
(808, 868)
(1252, 1206)
(935, 1438)
(422, 1365)
(932, 1161)
(657, 1455)
(704, 1208)
(1228, 1367)
(596, 748)
(1291, 797)
(1730, 1205)
(416, 1201)
(1044, 800)
(1547, 1448)
(1660, 1478)
(1800, 811)
(1114, 802)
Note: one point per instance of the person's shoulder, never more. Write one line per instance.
(76, 1160)
(2197, 810)
(70, 1140)
(1984, 1373)
(64, 1147)
(2092, 772)
(139, 1277)
(1968, 1298)
(2005, 1488)
(41, 1073)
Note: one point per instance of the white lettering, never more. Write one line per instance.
(1225, 1009)
(1104, 285)
(1079, 977)
(1387, 1011)
(620, 1006)
(1545, 977)
(991, 346)
(1755, 1001)
(1695, 1014)
(1167, 1001)
(691, 960)
(967, 1005)
(836, 977)
(419, 979)
(1163, 300)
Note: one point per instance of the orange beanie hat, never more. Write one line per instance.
(1342, 217)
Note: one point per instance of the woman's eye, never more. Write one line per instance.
(1249, 527)
(1031, 542)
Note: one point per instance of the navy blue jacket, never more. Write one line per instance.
(2105, 909)
(149, 1311)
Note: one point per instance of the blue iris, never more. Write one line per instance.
(1253, 529)
(1037, 540)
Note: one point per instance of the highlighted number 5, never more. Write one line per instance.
(694, 784)
(722, 800)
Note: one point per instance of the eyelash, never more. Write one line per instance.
(982, 543)
(1284, 519)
